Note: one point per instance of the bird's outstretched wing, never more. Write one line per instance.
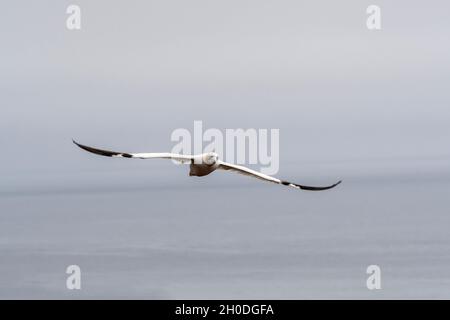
(107, 153)
(261, 176)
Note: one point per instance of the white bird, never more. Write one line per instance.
(202, 165)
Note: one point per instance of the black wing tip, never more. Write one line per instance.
(83, 146)
(286, 183)
(80, 145)
(320, 188)
(101, 152)
(337, 183)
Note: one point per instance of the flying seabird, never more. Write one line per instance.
(202, 165)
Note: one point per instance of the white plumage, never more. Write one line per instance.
(203, 164)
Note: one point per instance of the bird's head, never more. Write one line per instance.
(210, 158)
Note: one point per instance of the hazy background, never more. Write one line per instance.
(368, 107)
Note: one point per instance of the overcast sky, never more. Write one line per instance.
(369, 107)
(137, 70)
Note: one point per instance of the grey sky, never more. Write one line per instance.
(140, 69)
(350, 103)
